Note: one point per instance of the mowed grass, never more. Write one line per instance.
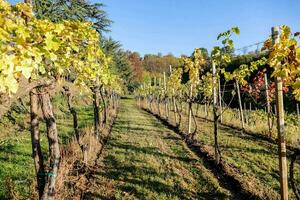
(257, 122)
(256, 159)
(145, 160)
(16, 163)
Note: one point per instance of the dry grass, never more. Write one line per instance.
(75, 170)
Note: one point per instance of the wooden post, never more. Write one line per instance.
(220, 100)
(174, 101)
(166, 99)
(215, 110)
(190, 111)
(205, 108)
(280, 128)
(298, 116)
(246, 113)
(268, 105)
(158, 98)
(240, 104)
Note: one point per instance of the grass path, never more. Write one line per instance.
(145, 160)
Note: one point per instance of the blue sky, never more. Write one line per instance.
(179, 26)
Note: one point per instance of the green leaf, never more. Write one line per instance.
(230, 44)
(235, 30)
(51, 42)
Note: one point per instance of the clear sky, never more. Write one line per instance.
(179, 26)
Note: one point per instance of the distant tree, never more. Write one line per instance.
(205, 53)
(80, 10)
(110, 46)
(120, 62)
(159, 63)
(122, 66)
(136, 64)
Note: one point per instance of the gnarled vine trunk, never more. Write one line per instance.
(104, 120)
(36, 145)
(96, 104)
(54, 152)
(73, 112)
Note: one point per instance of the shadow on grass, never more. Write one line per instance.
(138, 179)
(148, 150)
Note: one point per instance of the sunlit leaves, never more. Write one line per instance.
(39, 48)
(174, 82)
(244, 71)
(284, 58)
(51, 42)
(222, 55)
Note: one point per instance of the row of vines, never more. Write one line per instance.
(199, 81)
(37, 55)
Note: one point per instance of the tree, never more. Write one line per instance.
(159, 63)
(120, 63)
(81, 10)
(136, 64)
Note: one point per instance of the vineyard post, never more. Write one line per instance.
(150, 98)
(166, 99)
(246, 113)
(205, 107)
(215, 110)
(240, 104)
(158, 97)
(268, 105)
(154, 97)
(175, 109)
(174, 100)
(187, 110)
(280, 128)
(298, 116)
(190, 110)
(140, 101)
(220, 99)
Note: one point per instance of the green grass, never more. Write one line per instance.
(256, 160)
(16, 162)
(258, 122)
(145, 160)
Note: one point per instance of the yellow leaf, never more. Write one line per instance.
(51, 42)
